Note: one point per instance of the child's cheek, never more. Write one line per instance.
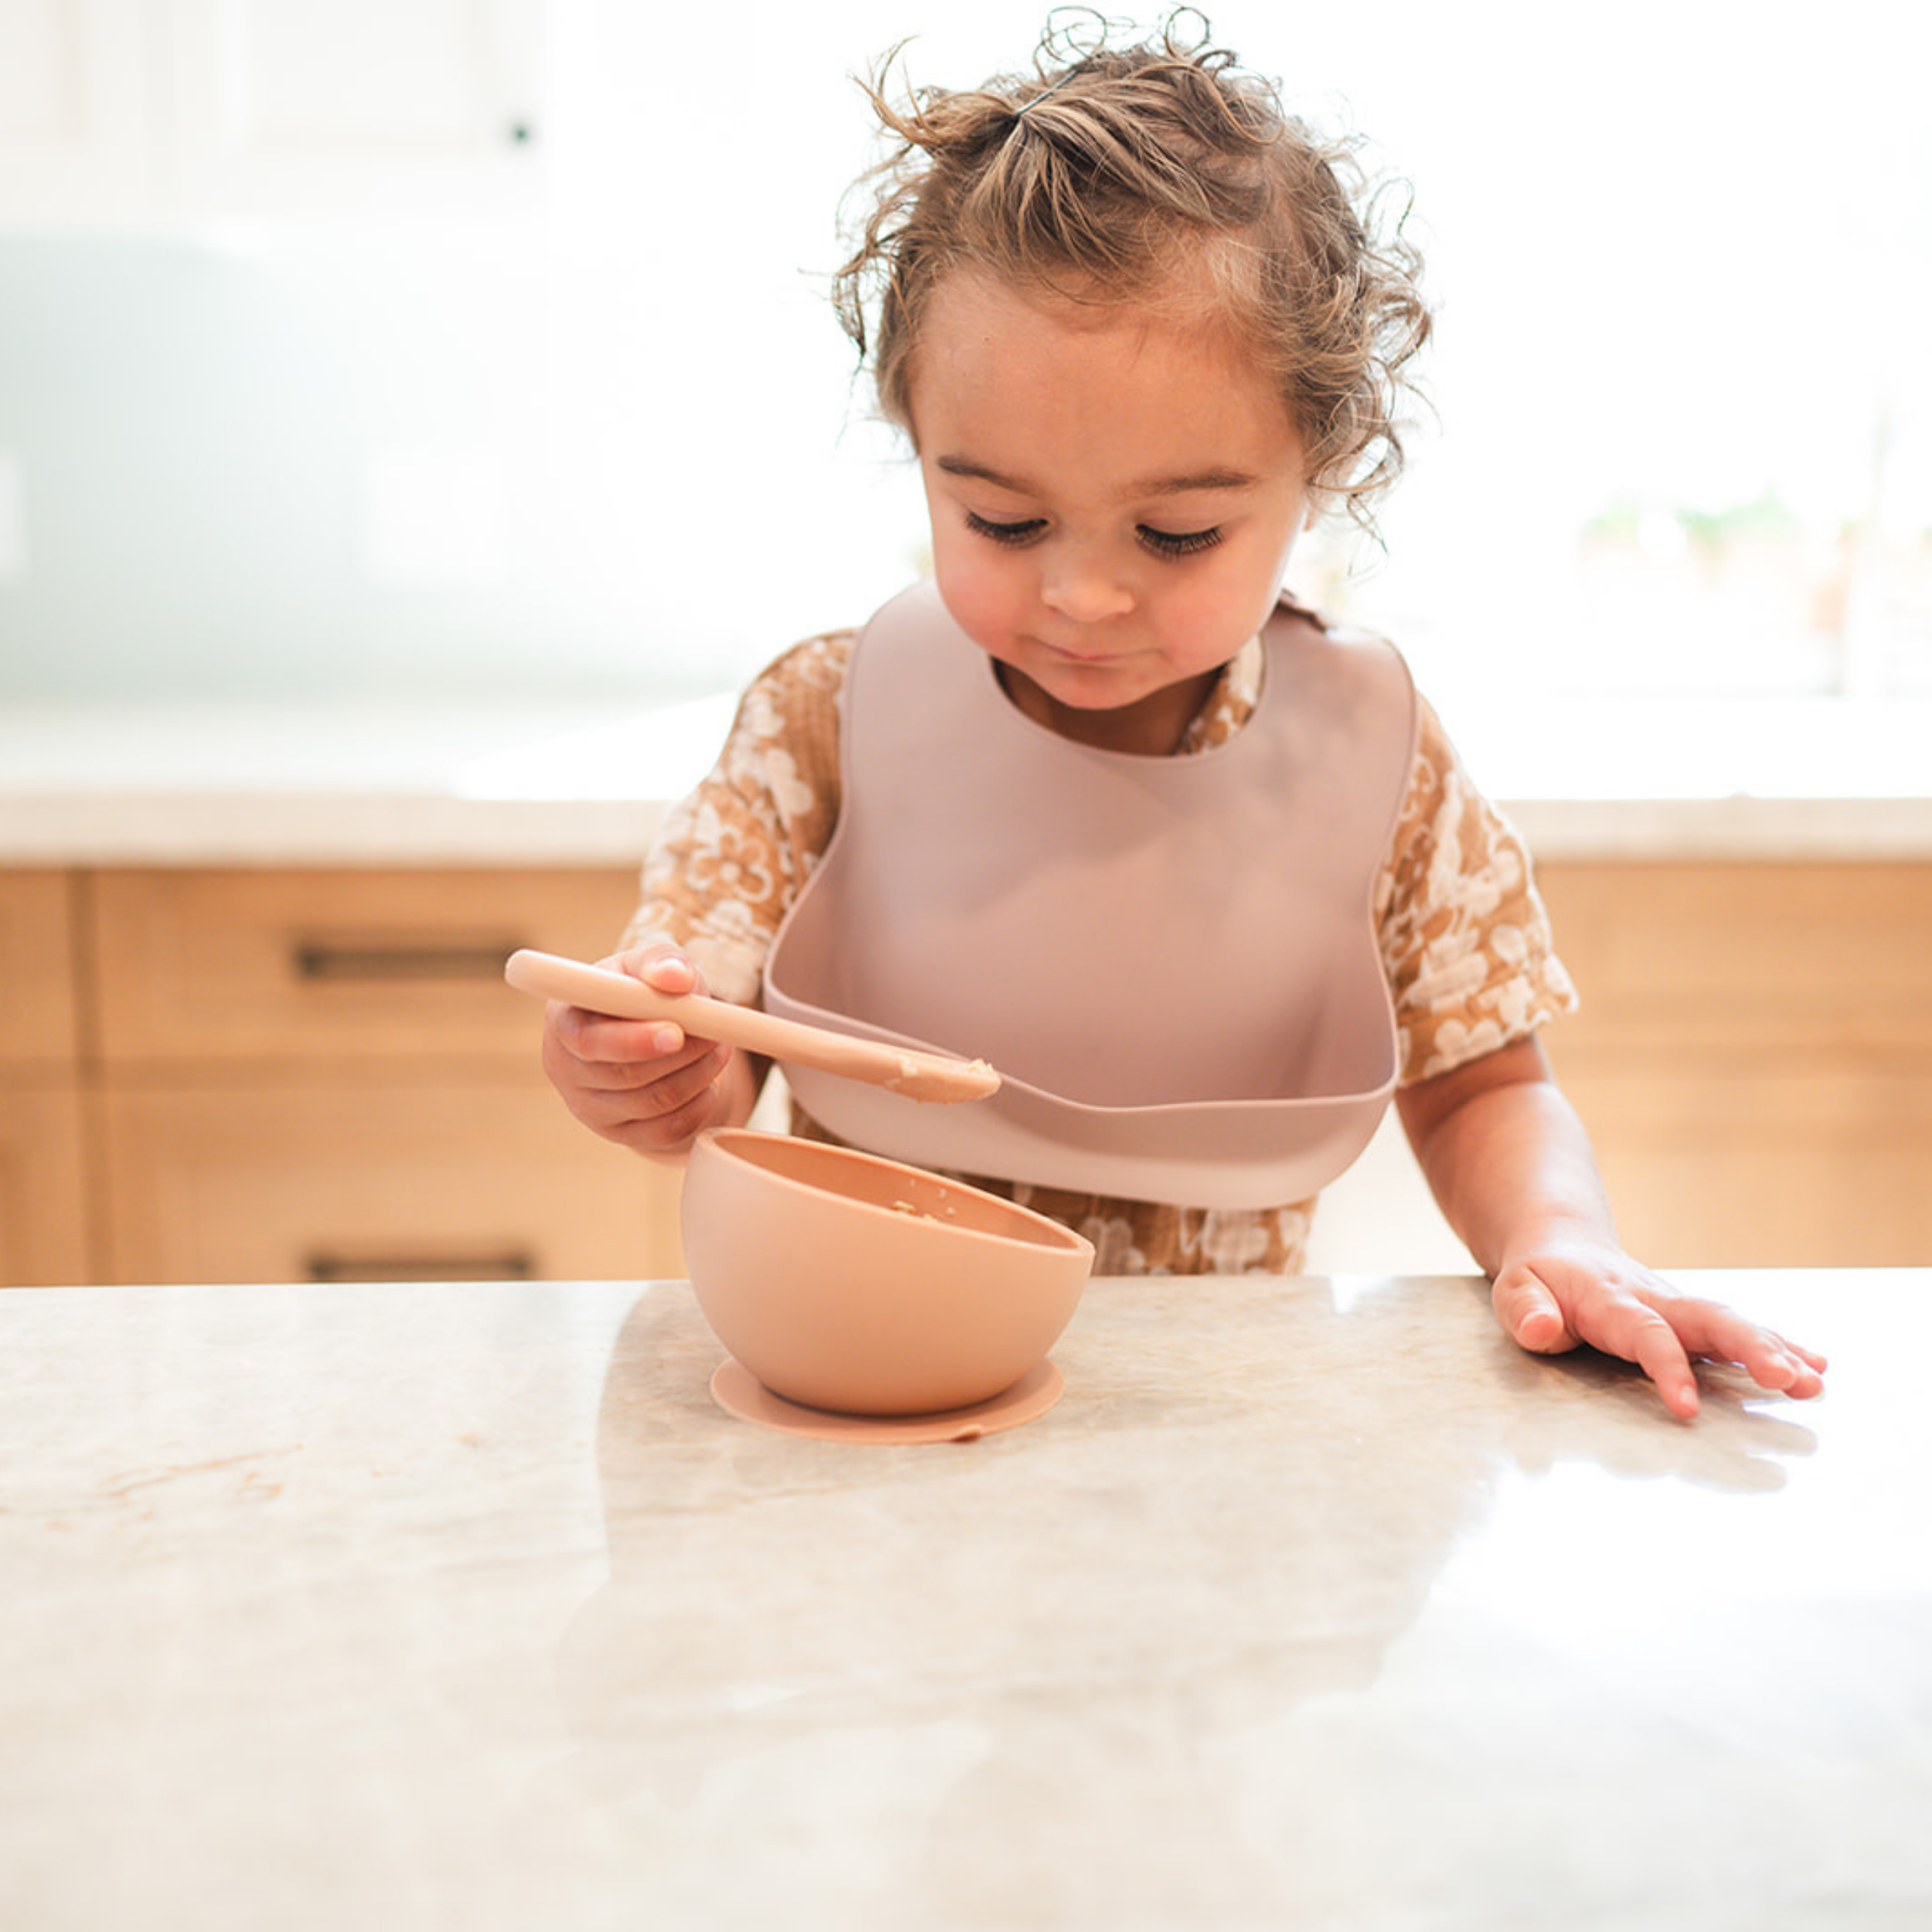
(978, 602)
(1222, 613)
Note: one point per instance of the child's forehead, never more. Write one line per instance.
(1009, 383)
(989, 352)
(973, 307)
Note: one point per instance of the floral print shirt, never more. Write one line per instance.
(1464, 939)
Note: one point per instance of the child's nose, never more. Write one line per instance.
(1082, 587)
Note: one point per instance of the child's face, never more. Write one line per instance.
(1113, 501)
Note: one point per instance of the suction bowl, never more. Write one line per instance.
(847, 1282)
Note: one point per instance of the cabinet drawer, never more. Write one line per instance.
(328, 965)
(37, 1015)
(1752, 1056)
(43, 1224)
(1713, 1165)
(1785, 957)
(347, 1178)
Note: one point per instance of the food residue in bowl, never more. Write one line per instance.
(913, 1208)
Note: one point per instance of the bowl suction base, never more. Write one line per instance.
(737, 1391)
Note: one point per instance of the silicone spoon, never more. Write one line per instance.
(920, 1077)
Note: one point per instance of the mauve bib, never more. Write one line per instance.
(1172, 961)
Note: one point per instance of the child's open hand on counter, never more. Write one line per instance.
(1511, 1168)
(1573, 1288)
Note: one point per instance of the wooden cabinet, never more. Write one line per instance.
(39, 1027)
(308, 1075)
(44, 1218)
(1753, 1057)
(214, 971)
(321, 1175)
(244, 1075)
(44, 1228)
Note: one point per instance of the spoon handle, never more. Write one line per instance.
(921, 1076)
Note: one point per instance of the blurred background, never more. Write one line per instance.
(395, 347)
(418, 417)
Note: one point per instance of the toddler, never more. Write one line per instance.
(1197, 870)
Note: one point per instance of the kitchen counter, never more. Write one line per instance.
(243, 785)
(561, 785)
(1312, 1604)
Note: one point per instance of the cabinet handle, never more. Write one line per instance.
(502, 1264)
(332, 961)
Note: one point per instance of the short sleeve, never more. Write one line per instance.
(1465, 938)
(728, 861)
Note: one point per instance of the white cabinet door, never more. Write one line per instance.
(76, 108)
(284, 106)
(150, 112)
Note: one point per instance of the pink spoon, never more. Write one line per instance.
(920, 1077)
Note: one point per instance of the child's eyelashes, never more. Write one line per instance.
(1164, 543)
(1023, 531)
(1179, 542)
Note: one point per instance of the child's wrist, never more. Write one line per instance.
(1556, 1229)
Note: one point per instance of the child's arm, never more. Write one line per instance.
(642, 1083)
(719, 877)
(1511, 1168)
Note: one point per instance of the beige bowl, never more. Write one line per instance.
(847, 1282)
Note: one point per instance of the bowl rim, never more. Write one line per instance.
(725, 1142)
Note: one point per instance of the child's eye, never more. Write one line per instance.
(1177, 543)
(1023, 531)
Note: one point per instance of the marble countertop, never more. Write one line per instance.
(1312, 1604)
(568, 784)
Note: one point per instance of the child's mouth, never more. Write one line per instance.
(1074, 654)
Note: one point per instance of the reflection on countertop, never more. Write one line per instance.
(1313, 1603)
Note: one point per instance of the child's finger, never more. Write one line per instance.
(1531, 1316)
(598, 1040)
(1626, 1326)
(1618, 1324)
(1718, 1333)
(656, 1110)
(669, 970)
(628, 1071)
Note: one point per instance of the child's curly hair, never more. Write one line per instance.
(1159, 174)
